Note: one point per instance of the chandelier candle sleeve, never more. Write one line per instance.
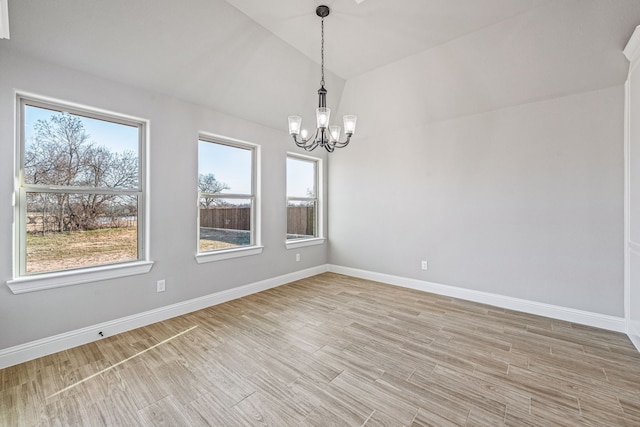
(323, 114)
(350, 124)
(320, 137)
(294, 124)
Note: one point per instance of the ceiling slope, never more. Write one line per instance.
(362, 37)
(259, 60)
(203, 51)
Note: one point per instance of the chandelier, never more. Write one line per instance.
(324, 136)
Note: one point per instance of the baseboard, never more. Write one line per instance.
(597, 320)
(633, 331)
(32, 350)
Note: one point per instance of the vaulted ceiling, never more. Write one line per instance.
(365, 35)
(258, 59)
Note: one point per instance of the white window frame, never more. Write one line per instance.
(22, 282)
(319, 238)
(256, 236)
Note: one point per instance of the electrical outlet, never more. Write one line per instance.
(297, 257)
(424, 265)
(160, 286)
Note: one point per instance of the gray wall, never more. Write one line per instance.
(523, 202)
(497, 157)
(632, 239)
(174, 127)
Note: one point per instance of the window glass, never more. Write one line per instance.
(301, 178)
(72, 150)
(224, 169)
(226, 196)
(61, 235)
(301, 219)
(81, 189)
(302, 202)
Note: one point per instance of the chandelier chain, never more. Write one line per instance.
(322, 52)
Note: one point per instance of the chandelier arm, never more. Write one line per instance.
(340, 144)
(302, 142)
(306, 145)
(312, 146)
(298, 143)
(312, 141)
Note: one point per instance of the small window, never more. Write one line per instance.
(226, 195)
(302, 198)
(80, 199)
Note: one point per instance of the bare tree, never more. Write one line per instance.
(62, 154)
(207, 186)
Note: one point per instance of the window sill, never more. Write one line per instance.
(301, 243)
(59, 279)
(228, 254)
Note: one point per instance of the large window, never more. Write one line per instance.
(302, 198)
(80, 199)
(227, 220)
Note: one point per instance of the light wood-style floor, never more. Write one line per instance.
(335, 350)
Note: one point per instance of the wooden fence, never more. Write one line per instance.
(231, 218)
(300, 219)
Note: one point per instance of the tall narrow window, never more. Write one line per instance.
(80, 200)
(302, 197)
(226, 195)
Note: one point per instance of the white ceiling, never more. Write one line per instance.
(362, 37)
(258, 59)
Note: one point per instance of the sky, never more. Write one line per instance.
(115, 136)
(230, 165)
(300, 177)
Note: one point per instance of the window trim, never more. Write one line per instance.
(22, 282)
(78, 276)
(255, 248)
(318, 238)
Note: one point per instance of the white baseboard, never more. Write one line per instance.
(597, 320)
(634, 333)
(32, 350)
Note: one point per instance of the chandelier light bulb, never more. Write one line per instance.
(334, 133)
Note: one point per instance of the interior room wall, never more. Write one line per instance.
(523, 202)
(632, 233)
(495, 158)
(174, 127)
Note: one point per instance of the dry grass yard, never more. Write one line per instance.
(333, 350)
(59, 251)
(212, 245)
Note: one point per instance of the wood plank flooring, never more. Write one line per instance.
(335, 350)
